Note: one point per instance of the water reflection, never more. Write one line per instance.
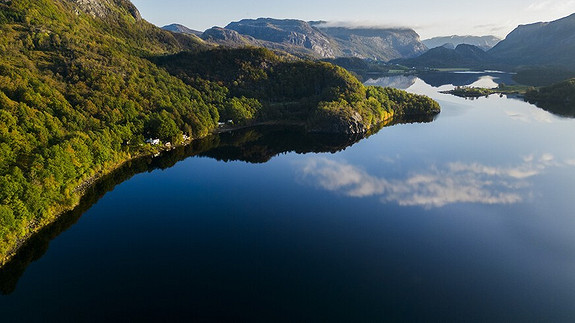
(429, 83)
(253, 145)
(437, 186)
(401, 82)
(563, 110)
(437, 79)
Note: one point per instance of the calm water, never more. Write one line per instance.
(466, 218)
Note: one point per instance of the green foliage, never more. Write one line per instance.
(407, 104)
(280, 89)
(557, 98)
(240, 110)
(162, 126)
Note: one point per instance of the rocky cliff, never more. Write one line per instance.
(375, 43)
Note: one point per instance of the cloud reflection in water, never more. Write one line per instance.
(435, 187)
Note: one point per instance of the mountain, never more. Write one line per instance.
(483, 42)
(177, 28)
(444, 57)
(375, 43)
(543, 43)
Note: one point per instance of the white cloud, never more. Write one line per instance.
(538, 6)
(435, 187)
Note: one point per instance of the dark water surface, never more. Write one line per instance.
(466, 218)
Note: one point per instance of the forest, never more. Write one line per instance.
(80, 95)
(558, 98)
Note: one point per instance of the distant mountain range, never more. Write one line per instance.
(316, 39)
(483, 42)
(547, 44)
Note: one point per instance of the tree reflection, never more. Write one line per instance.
(253, 145)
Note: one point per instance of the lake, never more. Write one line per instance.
(468, 217)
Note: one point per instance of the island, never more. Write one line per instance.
(558, 98)
(475, 92)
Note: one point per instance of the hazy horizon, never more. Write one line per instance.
(429, 20)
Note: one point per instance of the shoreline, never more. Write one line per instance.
(81, 189)
(84, 186)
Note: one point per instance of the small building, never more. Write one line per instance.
(153, 141)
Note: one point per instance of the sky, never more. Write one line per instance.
(428, 18)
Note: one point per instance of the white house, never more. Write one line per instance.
(153, 141)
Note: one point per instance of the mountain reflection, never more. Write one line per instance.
(452, 183)
(438, 79)
(401, 82)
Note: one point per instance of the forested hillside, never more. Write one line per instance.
(76, 99)
(84, 83)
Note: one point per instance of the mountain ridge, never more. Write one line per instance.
(318, 40)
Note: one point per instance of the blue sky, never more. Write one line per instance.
(428, 18)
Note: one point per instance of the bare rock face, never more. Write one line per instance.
(289, 32)
(105, 8)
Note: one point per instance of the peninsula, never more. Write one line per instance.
(87, 85)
